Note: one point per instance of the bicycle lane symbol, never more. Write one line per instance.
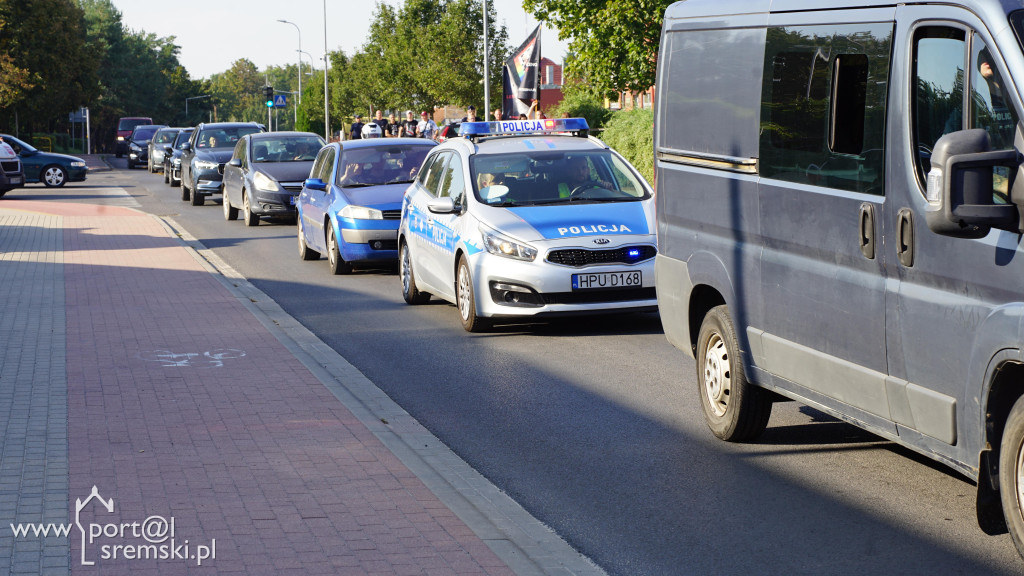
(211, 359)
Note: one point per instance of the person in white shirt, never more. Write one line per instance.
(426, 128)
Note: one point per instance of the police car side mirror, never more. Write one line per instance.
(314, 184)
(442, 205)
(960, 187)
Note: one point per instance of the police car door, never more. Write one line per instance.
(821, 197)
(429, 238)
(450, 228)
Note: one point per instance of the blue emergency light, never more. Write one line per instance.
(515, 127)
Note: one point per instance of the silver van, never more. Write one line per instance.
(840, 202)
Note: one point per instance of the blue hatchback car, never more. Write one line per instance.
(351, 204)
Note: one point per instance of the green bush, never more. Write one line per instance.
(579, 104)
(631, 133)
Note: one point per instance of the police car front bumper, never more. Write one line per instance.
(510, 287)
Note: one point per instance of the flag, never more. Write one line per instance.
(520, 76)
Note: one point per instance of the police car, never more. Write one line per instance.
(528, 218)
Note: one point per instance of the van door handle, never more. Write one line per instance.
(867, 230)
(905, 237)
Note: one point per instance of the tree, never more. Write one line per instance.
(61, 70)
(239, 93)
(616, 43)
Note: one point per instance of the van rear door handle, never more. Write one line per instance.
(867, 230)
(905, 237)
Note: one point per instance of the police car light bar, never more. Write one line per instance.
(514, 127)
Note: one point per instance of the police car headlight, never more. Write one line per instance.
(264, 182)
(361, 213)
(500, 245)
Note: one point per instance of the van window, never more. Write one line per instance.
(940, 62)
(823, 105)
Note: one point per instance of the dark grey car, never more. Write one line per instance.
(202, 157)
(138, 144)
(265, 174)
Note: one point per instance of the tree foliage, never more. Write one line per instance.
(615, 43)
(423, 54)
(631, 133)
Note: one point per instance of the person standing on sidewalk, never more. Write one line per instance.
(356, 133)
(426, 128)
(409, 126)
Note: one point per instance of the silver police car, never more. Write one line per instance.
(528, 218)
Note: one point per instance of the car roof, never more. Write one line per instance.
(523, 143)
(384, 142)
(269, 135)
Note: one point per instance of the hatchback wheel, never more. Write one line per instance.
(334, 259)
(251, 218)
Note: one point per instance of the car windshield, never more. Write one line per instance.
(378, 165)
(550, 177)
(225, 137)
(130, 123)
(144, 133)
(164, 136)
(182, 138)
(286, 148)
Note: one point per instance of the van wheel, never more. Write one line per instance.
(465, 298)
(410, 292)
(1011, 474)
(735, 409)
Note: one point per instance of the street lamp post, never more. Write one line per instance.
(299, 98)
(192, 98)
(327, 66)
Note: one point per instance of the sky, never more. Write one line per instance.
(213, 34)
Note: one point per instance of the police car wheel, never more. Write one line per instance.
(1011, 474)
(305, 252)
(410, 292)
(466, 300)
(734, 409)
(337, 263)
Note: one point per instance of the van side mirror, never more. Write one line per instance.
(960, 187)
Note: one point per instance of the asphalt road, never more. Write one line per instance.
(594, 426)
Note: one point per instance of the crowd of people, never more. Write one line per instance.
(424, 127)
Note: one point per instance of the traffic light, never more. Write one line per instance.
(268, 95)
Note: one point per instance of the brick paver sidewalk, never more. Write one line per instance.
(181, 405)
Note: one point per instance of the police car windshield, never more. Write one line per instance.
(536, 178)
(378, 165)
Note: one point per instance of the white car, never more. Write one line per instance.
(528, 218)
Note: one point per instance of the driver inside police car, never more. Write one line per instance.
(578, 178)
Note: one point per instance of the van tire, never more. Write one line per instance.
(1011, 474)
(734, 409)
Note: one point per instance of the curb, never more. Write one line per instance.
(525, 544)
